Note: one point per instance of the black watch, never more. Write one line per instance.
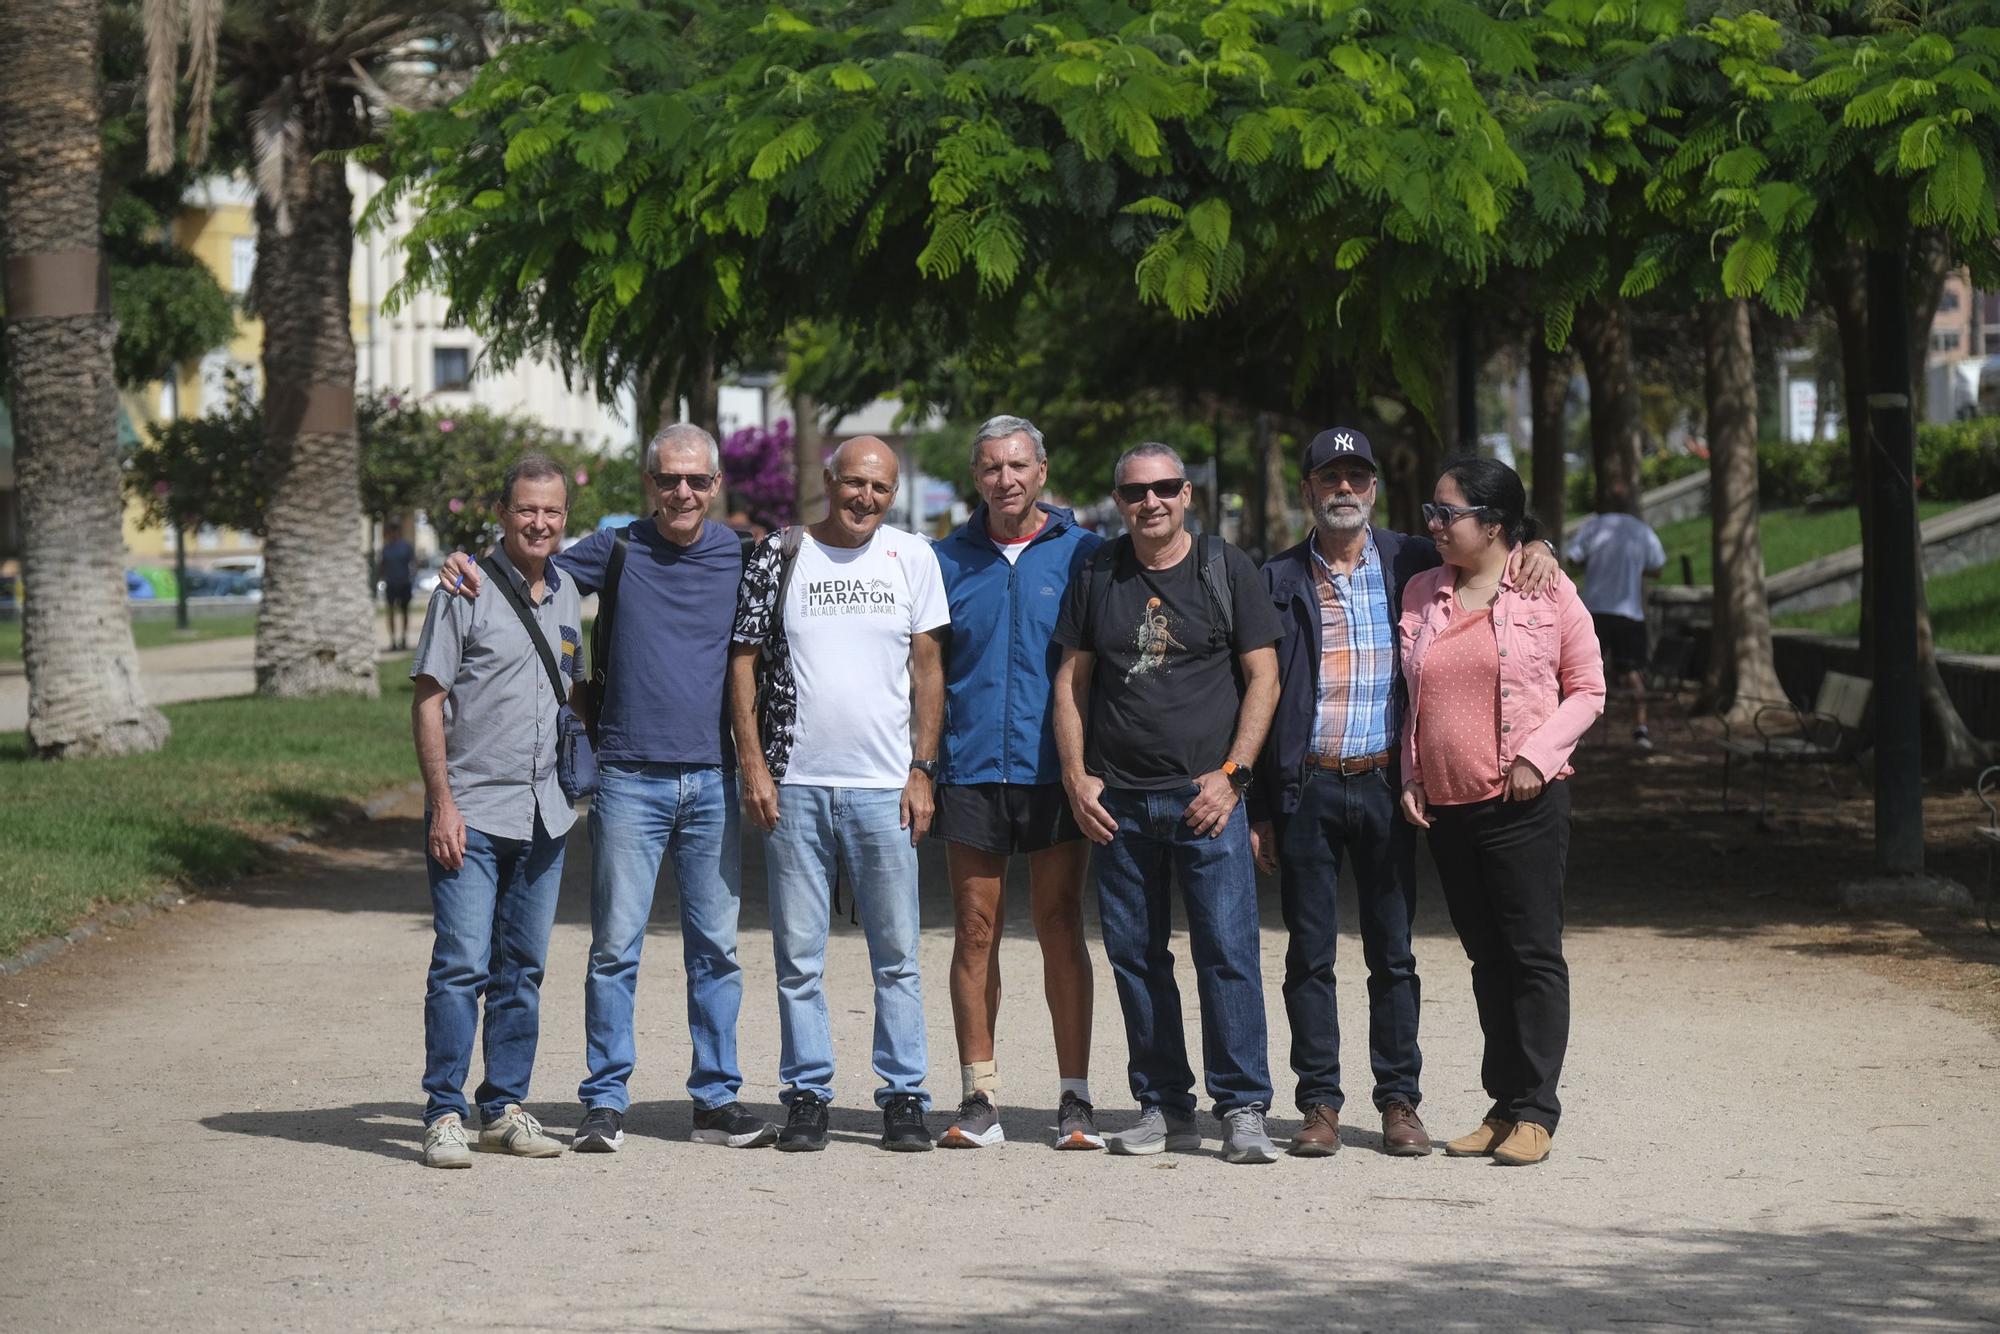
(928, 768)
(1237, 774)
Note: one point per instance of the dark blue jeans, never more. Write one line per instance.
(1154, 844)
(492, 917)
(1355, 818)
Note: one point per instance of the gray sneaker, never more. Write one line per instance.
(518, 1134)
(444, 1143)
(1244, 1139)
(1156, 1131)
(977, 1126)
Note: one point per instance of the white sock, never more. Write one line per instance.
(1080, 1087)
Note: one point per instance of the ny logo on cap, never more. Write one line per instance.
(1343, 441)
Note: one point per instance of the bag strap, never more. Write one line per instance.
(607, 610)
(788, 559)
(513, 596)
(1103, 563)
(1215, 578)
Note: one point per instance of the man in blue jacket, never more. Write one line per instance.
(1327, 786)
(1005, 572)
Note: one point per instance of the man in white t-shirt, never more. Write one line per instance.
(1618, 551)
(836, 686)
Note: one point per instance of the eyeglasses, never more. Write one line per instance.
(696, 481)
(1444, 516)
(529, 514)
(1134, 492)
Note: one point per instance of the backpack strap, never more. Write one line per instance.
(607, 611)
(513, 596)
(1103, 564)
(788, 558)
(1221, 598)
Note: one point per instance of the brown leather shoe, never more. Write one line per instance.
(1319, 1137)
(1481, 1141)
(1527, 1145)
(1403, 1133)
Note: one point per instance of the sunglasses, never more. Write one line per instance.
(1134, 492)
(696, 481)
(1443, 516)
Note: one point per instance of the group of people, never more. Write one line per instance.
(1020, 687)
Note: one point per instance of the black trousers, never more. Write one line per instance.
(1502, 865)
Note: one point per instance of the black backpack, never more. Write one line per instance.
(1214, 580)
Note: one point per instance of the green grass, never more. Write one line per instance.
(1965, 612)
(152, 633)
(1791, 537)
(236, 771)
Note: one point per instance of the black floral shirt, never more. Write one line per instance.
(760, 621)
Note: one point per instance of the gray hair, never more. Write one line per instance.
(531, 468)
(682, 433)
(1151, 449)
(999, 428)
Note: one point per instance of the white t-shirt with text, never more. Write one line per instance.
(849, 618)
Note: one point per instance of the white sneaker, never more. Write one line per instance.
(518, 1134)
(444, 1143)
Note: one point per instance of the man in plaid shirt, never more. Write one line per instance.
(1327, 784)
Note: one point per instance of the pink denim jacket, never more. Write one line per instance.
(1551, 670)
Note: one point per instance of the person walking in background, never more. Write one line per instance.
(1166, 688)
(1005, 572)
(1501, 688)
(1327, 787)
(484, 717)
(398, 574)
(838, 746)
(1619, 551)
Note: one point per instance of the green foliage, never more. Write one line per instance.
(204, 471)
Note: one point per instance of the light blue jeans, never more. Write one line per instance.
(640, 813)
(854, 831)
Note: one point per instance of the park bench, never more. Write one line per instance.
(1785, 735)
(1989, 785)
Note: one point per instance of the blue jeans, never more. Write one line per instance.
(1219, 882)
(1354, 817)
(492, 917)
(640, 813)
(855, 831)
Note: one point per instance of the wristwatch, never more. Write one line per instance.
(928, 768)
(1237, 774)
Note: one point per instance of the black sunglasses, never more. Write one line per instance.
(1134, 492)
(697, 481)
(1446, 515)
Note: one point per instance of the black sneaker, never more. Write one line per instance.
(903, 1128)
(1076, 1124)
(732, 1126)
(805, 1126)
(602, 1131)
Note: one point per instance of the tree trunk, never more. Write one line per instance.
(1603, 337)
(1742, 673)
(1548, 401)
(1257, 529)
(808, 459)
(1949, 741)
(315, 628)
(85, 696)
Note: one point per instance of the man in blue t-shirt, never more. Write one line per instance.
(666, 786)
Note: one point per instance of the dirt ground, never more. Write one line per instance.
(1778, 1115)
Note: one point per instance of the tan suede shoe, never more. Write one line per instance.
(1527, 1145)
(1481, 1141)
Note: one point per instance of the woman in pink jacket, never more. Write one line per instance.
(1501, 687)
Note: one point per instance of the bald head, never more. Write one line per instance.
(860, 487)
(852, 452)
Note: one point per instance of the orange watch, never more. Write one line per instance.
(1237, 774)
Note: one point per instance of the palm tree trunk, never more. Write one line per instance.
(1603, 336)
(315, 629)
(1741, 669)
(84, 692)
(1548, 399)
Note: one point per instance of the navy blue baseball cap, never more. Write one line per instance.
(1338, 442)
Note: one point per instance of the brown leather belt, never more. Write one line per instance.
(1350, 765)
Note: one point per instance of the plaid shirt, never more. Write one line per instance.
(1357, 658)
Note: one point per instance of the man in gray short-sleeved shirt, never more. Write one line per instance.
(494, 815)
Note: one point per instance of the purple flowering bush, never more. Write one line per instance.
(757, 469)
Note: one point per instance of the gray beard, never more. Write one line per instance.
(1339, 520)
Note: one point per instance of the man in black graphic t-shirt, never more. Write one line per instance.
(1166, 689)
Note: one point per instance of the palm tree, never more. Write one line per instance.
(295, 80)
(84, 692)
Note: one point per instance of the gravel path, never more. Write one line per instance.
(214, 1118)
